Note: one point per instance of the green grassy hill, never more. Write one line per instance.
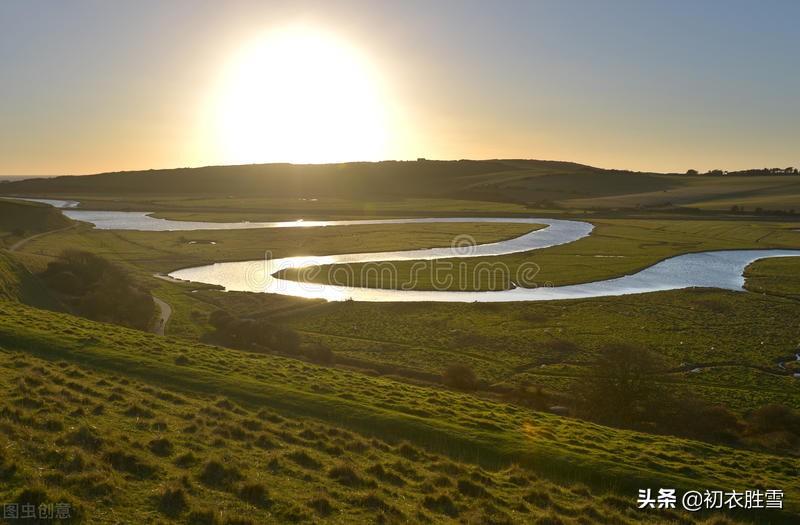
(17, 284)
(502, 180)
(125, 451)
(531, 183)
(126, 434)
(20, 218)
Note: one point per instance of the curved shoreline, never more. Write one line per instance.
(713, 269)
(719, 269)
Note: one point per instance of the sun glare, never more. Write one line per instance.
(301, 95)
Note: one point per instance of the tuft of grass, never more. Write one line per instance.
(347, 476)
(255, 494)
(161, 447)
(202, 517)
(302, 458)
(217, 475)
(321, 505)
(173, 501)
(129, 463)
(186, 460)
(441, 504)
(382, 474)
(85, 438)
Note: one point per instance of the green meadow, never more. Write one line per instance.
(355, 419)
(615, 247)
(133, 416)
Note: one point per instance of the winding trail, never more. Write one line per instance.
(22, 242)
(164, 313)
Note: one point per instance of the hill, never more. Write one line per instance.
(21, 218)
(141, 422)
(19, 285)
(530, 183)
(487, 179)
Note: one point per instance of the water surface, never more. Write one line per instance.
(716, 269)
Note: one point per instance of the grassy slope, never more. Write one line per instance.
(119, 445)
(713, 193)
(460, 425)
(616, 247)
(17, 284)
(19, 219)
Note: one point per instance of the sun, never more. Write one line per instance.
(301, 95)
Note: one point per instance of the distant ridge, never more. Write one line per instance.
(419, 178)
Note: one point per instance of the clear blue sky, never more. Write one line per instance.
(90, 86)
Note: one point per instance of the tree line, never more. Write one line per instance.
(791, 170)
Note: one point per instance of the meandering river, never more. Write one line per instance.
(715, 269)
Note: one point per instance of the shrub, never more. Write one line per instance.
(186, 460)
(408, 452)
(304, 460)
(85, 438)
(255, 494)
(7, 470)
(441, 504)
(126, 462)
(346, 475)
(136, 410)
(99, 290)
(161, 447)
(52, 425)
(264, 442)
(774, 418)
(620, 390)
(461, 377)
(252, 333)
(539, 498)
(470, 489)
(320, 354)
(215, 474)
(172, 501)
(382, 474)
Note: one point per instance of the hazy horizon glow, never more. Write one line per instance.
(96, 86)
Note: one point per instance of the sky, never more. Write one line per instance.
(91, 86)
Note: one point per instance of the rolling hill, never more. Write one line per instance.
(532, 183)
(20, 217)
(140, 418)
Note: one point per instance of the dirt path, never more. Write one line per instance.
(22, 242)
(164, 313)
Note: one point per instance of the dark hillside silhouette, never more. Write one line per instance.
(388, 179)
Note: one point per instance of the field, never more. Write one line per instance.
(70, 366)
(615, 247)
(143, 428)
